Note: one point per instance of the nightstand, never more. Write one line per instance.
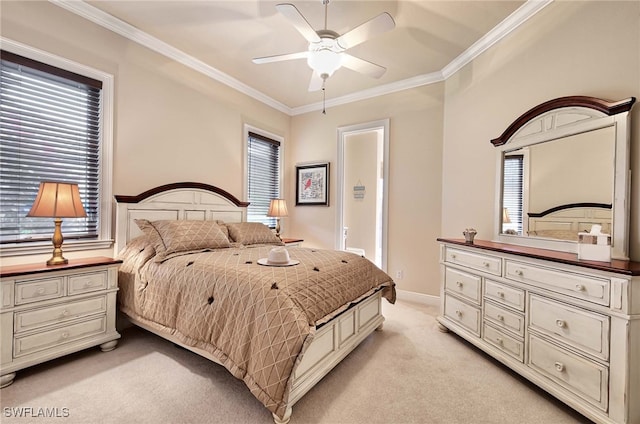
(51, 311)
(292, 242)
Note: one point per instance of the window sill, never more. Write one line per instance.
(38, 248)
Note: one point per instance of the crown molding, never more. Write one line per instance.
(504, 28)
(118, 26)
(513, 21)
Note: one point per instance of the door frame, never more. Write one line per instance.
(343, 132)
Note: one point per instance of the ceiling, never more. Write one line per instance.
(431, 40)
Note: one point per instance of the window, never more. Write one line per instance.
(512, 196)
(51, 129)
(263, 177)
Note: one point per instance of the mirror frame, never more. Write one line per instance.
(563, 117)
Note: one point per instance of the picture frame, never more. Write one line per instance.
(312, 184)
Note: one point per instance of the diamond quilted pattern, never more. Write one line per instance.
(253, 318)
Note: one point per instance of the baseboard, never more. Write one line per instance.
(424, 299)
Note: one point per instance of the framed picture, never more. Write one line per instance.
(312, 184)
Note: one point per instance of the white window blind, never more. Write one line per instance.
(263, 164)
(49, 131)
(512, 195)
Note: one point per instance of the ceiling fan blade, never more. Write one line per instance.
(298, 21)
(362, 66)
(280, 57)
(316, 82)
(375, 26)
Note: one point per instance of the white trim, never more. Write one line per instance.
(420, 298)
(106, 152)
(513, 21)
(383, 125)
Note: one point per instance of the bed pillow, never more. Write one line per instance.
(175, 236)
(248, 233)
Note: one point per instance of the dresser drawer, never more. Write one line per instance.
(91, 281)
(504, 342)
(462, 313)
(579, 286)
(583, 377)
(485, 263)
(32, 319)
(501, 293)
(24, 345)
(463, 284)
(504, 318)
(28, 291)
(582, 329)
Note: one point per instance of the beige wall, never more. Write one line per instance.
(570, 48)
(172, 123)
(415, 187)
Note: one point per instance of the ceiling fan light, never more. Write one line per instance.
(324, 62)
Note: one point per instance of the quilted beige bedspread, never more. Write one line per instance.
(253, 319)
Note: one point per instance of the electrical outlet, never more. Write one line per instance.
(399, 274)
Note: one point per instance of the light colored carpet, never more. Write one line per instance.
(407, 373)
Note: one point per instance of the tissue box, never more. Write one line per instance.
(594, 247)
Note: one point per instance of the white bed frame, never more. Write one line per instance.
(332, 342)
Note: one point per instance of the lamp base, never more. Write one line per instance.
(57, 258)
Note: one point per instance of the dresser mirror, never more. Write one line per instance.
(563, 167)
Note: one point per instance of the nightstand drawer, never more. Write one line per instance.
(32, 319)
(505, 343)
(463, 284)
(577, 327)
(36, 290)
(585, 378)
(501, 293)
(83, 283)
(503, 318)
(462, 313)
(59, 336)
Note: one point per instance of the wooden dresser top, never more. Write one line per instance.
(617, 266)
(42, 267)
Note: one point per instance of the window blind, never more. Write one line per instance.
(49, 131)
(263, 164)
(512, 195)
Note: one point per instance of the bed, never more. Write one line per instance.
(280, 329)
(564, 222)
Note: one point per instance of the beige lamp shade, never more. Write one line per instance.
(277, 208)
(57, 200)
(505, 216)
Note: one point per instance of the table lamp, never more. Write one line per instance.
(277, 209)
(57, 200)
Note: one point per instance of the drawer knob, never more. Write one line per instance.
(65, 313)
(458, 313)
(500, 317)
(559, 366)
(40, 290)
(88, 283)
(64, 335)
(453, 256)
(486, 264)
(561, 323)
(519, 272)
(500, 294)
(499, 340)
(579, 287)
(459, 284)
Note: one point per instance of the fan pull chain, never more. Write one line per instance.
(324, 96)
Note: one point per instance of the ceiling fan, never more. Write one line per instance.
(326, 52)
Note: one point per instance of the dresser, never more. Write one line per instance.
(571, 327)
(50, 311)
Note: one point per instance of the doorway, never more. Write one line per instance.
(363, 174)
